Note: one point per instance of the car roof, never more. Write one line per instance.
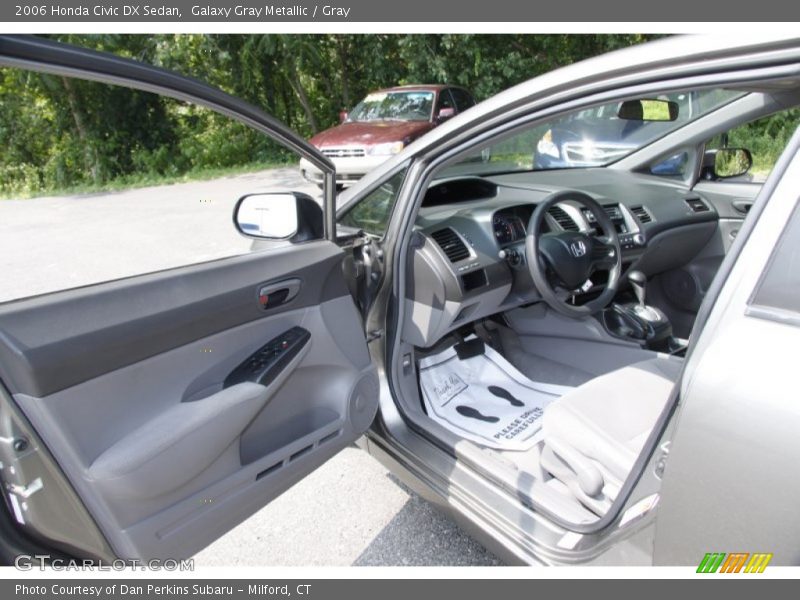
(422, 87)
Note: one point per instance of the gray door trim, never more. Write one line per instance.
(54, 341)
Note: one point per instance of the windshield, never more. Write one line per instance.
(395, 106)
(592, 137)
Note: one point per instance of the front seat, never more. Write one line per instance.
(594, 434)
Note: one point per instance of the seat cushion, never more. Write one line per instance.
(608, 419)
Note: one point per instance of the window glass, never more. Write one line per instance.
(462, 98)
(101, 182)
(674, 165)
(397, 106)
(372, 212)
(780, 285)
(589, 137)
(445, 100)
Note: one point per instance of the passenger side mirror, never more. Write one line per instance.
(343, 114)
(648, 109)
(446, 113)
(289, 216)
(732, 162)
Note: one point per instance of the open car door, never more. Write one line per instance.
(146, 416)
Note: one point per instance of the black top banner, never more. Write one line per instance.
(359, 11)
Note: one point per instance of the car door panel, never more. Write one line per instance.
(179, 402)
(733, 454)
(164, 455)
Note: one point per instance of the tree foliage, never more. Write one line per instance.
(58, 133)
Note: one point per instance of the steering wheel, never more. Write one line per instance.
(561, 262)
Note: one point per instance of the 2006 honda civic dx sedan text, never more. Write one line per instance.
(590, 364)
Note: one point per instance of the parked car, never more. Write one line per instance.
(588, 365)
(381, 125)
(599, 135)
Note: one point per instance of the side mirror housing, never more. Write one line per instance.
(291, 216)
(445, 113)
(343, 114)
(648, 109)
(726, 163)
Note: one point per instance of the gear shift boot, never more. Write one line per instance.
(648, 313)
(638, 321)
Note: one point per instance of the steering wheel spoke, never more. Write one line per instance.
(604, 253)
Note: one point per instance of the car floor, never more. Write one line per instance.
(539, 373)
(536, 367)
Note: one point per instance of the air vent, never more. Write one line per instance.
(453, 246)
(697, 205)
(613, 212)
(640, 212)
(562, 218)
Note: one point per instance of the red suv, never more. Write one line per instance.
(381, 125)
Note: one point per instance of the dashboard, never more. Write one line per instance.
(469, 258)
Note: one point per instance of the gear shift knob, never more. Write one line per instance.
(638, 283)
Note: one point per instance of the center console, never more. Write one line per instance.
(641, 323)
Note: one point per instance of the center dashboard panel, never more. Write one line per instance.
(467, 258)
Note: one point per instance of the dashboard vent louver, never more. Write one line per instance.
(613, 212)
(562, 218)
(453, 246)
(697, 205)
(640, 212)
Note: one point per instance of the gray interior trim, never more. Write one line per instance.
(101, 430)
(178, 444)
(51, 342)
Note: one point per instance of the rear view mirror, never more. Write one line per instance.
(270, 216)
(732, 162)
(648, 109)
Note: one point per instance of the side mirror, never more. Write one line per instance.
(732, 162)
(343, 114)
(289, 216)
(648, 109)
(446, 113)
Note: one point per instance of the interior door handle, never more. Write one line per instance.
(280, 292)
(742, 206)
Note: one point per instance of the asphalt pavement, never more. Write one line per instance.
(351, 511)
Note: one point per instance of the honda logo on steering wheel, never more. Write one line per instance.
(577, 248)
